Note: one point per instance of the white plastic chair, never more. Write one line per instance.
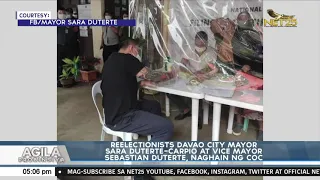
(125, 136)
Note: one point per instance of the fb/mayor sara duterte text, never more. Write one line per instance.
(75, 22)
(184, 151)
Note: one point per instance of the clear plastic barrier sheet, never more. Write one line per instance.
(213, 44)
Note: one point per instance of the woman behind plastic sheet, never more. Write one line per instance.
(245, 26)
(242, 38)
(199, 61)
(110, 39)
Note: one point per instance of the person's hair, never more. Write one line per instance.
(202, 35)
(129, 41)
(244, 13)
(60, 8)
(107, 11)
(69, 10)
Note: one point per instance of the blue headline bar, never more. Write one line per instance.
(77, 22)
(183, 150)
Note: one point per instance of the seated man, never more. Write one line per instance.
(123, 112)
(199, 63)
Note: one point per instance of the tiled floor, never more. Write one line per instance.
(78, 121)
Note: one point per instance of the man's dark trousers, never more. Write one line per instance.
(181, 102)
(184, 104)
(146, 120)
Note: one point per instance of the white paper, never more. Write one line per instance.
(83, 33)
(84, 11)
(83, 27)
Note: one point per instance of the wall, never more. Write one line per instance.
(97, 7)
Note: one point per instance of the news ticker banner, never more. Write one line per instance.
(156, 171)
(44, 18)
(183, 171)
(19, 153)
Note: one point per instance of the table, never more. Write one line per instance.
(233, 102)
(179, 87)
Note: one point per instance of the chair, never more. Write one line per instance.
(125, 136)
(231, 119)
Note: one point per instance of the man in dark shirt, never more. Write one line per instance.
(123, 112)
(72, 36)
(124, 30)
(61, 47)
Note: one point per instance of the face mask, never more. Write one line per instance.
(138, 57)
(61, 16)
(200, 49)
(75, 16)
(108, 17)
(68, 16)
(125, 18)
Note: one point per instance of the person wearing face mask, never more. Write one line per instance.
(239, 46)
(110, 39)
(247, 39)
(62, 42)
(244, 44)
(61, 13)
(123, 112)
(247, 45)
(72, 37)
(124, 30)
(201, 63)
(69, 12)
(202, 58)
